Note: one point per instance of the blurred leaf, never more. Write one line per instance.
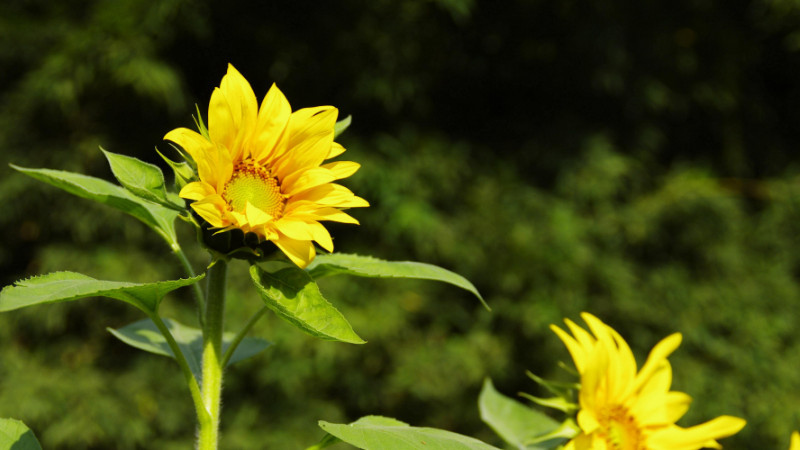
(295, 297)
(140, 178)
(367, 266)
(384, 433)
(67, 286)
(341, 126)
(144, 335)
(511, 420)
(160, 219)
(14, 435)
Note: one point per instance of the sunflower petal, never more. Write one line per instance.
(299, 252)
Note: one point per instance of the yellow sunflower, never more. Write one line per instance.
(261, 169)
(621, 409)
(795, 444)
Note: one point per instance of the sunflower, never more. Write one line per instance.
(624, 410)
(261, 169)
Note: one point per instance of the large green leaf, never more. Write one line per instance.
(157, 217)
(296, 298)
(514, 422)
(14, 435)
(140, 178)
(146, 336)
(367, 266)
(65, 286)
(383, 433)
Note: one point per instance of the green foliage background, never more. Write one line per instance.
(636, 161)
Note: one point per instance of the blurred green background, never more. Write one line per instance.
(634, 160)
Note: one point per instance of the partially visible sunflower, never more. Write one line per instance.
(795, 444)
(621, 409)
(261, 169)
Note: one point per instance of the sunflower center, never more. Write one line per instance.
(620, 429)
(253, 183)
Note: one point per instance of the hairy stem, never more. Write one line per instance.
(212, 354)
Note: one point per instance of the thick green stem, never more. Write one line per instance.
(242, 333)
(211, 386)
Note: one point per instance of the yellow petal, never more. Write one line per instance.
(698, 436)
(273, 117)
(656, 358)
(321, 235)
(336, 150)
(294, 229)
(197, 190)
(255, 216)
(329, 194)
(795, 444)
(232, 113)
(190, 141)
(330, 214)
(304, 180)
(299, 252)
(575, 350)
(342, 169)
(310, 139)
(211, 209)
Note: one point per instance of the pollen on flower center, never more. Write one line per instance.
(620, 430)
(253, 183)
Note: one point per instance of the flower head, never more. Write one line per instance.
(623, 409)
(261, 169)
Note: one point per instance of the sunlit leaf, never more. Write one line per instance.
(510, 419)
(140, 178)
(144, 335)
(295, 297)
(367, 266)
(14, 435)
(384, 433)
(157, 217)
(65, 286)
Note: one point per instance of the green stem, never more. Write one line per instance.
(212, 354)
(202, 415)
(197, 291)
(242, 333)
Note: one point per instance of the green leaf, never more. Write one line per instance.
(511, 420)
(296, 298)
(146, 336)
(184, 173)
(161, 219)
(384, 433)
(140, 178)
(14, 435)
(66, 286)
(341, 126)
(367, 266)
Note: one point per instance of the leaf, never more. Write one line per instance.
(66, 286)
(367, 266)
(341, 126)
(184, 173)
(14, 435)
(146, 336)
(140, 178)
(157, 217)
(510, 419)
(384, 433)
(296, 298)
